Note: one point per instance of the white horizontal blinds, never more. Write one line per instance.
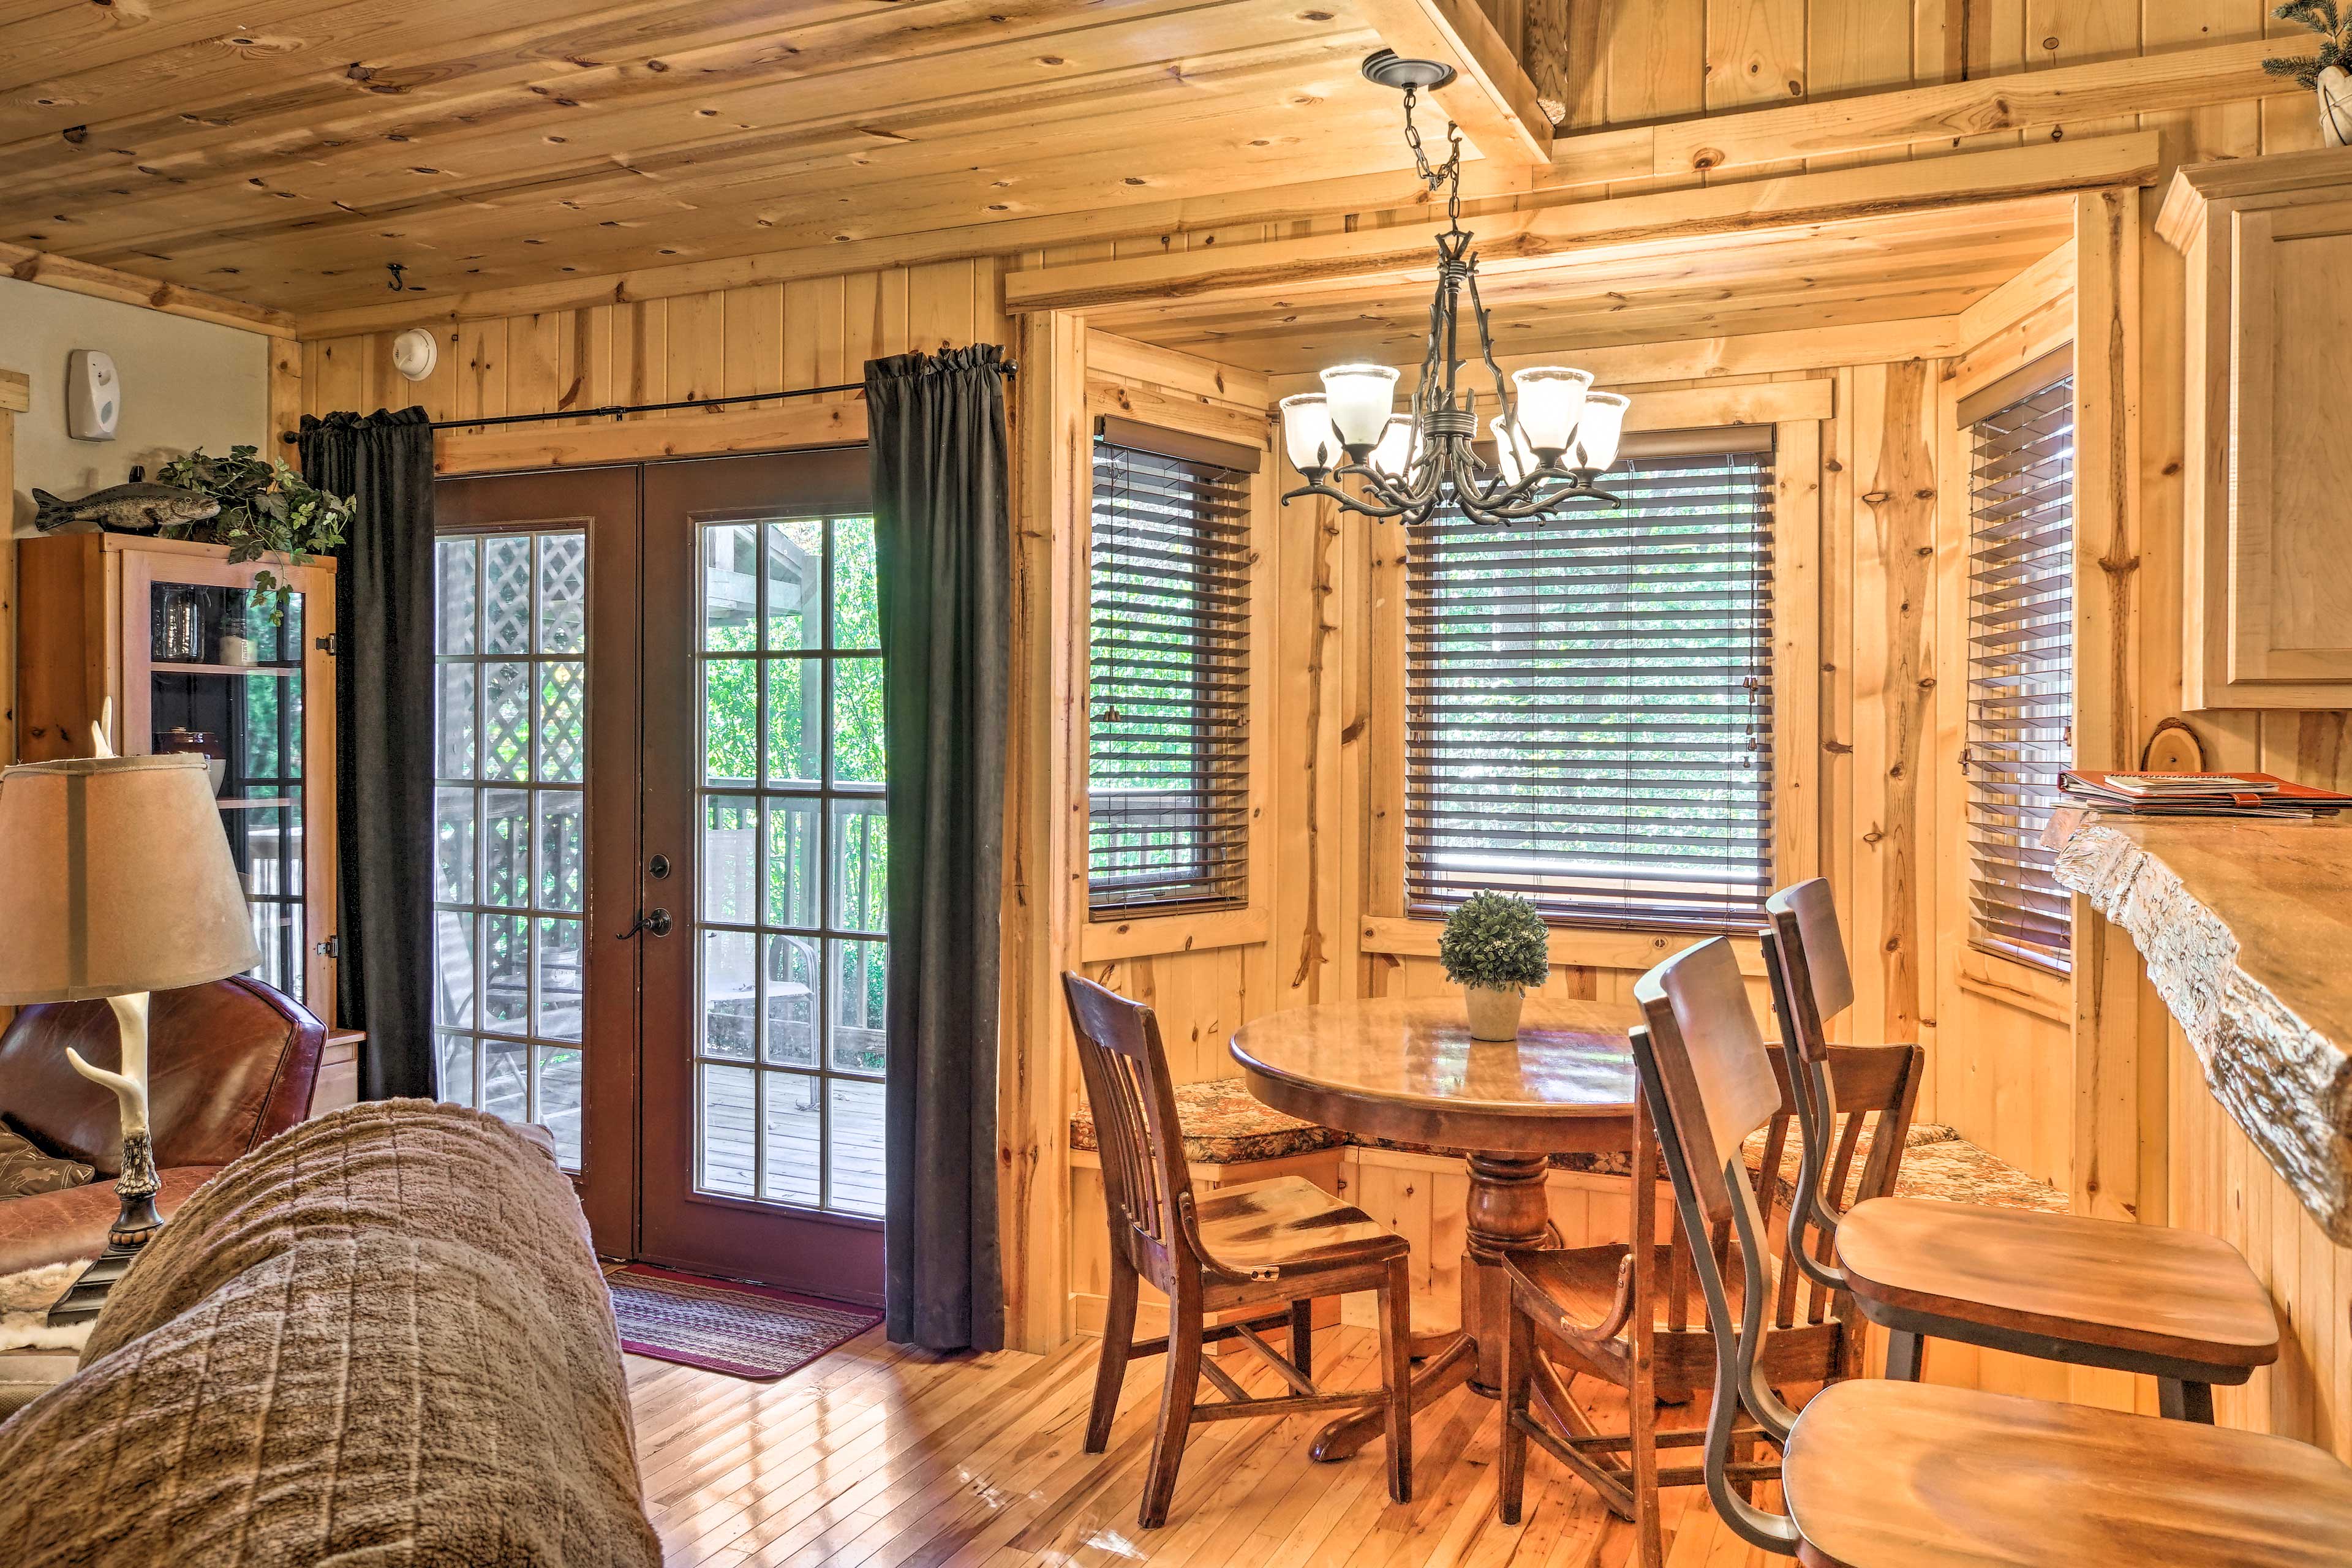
(2021, 668)
(1168, 684)
(1589, 704)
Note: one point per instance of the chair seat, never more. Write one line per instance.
(1902, 1475)
(1579, 1284)
(1290, 1224)
(2136, 1288)
(71, 1225)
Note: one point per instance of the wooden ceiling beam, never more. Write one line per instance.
(172, 299)
(1492, 99)
(1538, 238)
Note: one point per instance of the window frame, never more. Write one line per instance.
(1795, 412)
(1146, 932)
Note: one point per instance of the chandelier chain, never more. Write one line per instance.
(1448, 174)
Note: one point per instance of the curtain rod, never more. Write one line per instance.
(618, 410)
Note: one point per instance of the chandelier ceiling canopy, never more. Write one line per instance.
(1553, 435)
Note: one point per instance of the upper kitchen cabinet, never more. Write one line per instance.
(2268, 557)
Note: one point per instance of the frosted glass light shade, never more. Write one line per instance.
(1551, 397)
(1597, 434)
(1400, 444)
(1306, 433)
(1512, 453)
(120, 880)
(1361, 398)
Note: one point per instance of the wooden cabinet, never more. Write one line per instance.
(2268, 552)
(169, 643)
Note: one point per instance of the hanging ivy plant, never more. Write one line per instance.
(266, 507)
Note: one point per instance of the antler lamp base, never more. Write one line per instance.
(131, 1230)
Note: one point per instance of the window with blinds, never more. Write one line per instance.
(1589, 704)
(2020, 699)
(1168, 683)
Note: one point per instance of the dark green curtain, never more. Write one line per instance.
(943, 546)
(383, 738)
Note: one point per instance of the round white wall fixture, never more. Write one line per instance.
(414, 353)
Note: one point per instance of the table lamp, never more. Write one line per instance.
(119, 883)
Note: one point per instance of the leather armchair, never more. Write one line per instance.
(228, 1066)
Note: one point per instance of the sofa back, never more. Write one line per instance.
(228, 1066)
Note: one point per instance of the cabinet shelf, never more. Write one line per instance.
(279, 672)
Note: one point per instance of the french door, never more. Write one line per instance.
(764, 792)
(661, 850)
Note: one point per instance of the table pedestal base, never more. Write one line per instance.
(1506, 1212)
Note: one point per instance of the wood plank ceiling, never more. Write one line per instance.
(282, 151)
(1812, 276)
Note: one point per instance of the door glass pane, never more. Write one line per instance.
(794, 851)
(510, 714)
(226, 685)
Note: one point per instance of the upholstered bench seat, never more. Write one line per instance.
(1224, 1124)
(1937, 1162)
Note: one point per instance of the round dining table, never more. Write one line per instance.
(1407, 1069)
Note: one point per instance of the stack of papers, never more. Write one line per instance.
(2200, 794)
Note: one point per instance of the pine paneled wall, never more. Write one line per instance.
(771, 337)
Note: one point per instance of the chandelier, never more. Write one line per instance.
(1553, 435)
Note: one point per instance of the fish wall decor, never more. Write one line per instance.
(123, 509)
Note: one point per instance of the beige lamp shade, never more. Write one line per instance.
(118, 880)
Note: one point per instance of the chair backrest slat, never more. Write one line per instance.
(1811, 981)
(1145, 1182)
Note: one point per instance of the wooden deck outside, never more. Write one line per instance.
(880, 1457)
(793, 1153)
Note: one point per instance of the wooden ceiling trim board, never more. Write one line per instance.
(2188, 79)
(1538, 238)
(15, 392)
(1111, 355)
(1631, 366)
(172, 299)
(807, 423)
(1492, 99)
(2046, 279)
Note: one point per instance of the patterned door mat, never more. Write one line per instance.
(745, 1330)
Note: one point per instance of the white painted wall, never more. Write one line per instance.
(184, 384)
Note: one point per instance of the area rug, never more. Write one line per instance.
(25, 1302)
(745, 1330)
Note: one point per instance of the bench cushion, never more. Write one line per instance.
(1937, 1162)
(1224, 1124)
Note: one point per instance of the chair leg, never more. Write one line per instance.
(1519, 1360)
(1176, 1398)
(2181, 1401)
(1302, 1338)
(1903, 1355)
(1396, 1374)
(1117, 1338)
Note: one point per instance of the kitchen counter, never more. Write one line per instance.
(2245, 927)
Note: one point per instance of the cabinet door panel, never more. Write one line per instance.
(2291, 492)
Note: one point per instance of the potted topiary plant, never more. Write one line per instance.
(2327, 73)
(1494, 947)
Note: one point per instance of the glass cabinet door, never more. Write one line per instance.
(225, 682)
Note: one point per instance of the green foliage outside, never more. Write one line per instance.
(1497, 941)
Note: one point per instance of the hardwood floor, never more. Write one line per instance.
(878, 1458)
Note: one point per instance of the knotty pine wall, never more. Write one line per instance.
(771, 337)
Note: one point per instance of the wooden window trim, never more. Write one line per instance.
(1142, 934)
(1796, 648)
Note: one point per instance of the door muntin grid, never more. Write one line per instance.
(791, 957)
(510, 895)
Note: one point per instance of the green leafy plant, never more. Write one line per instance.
(265, 508)
(2334, 26)
(1497, 941)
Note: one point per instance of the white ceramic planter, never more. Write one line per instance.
(2336, 107)
(1494, 1014)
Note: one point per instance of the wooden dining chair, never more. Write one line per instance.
(2179, 1306)
(1280, 1242)
(1903, 1475)
(1624, 1313)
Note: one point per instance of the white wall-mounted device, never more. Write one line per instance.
(414, 353)
(93, 396)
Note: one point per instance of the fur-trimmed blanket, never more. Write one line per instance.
(381, 1338)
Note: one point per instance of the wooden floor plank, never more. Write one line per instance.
(879, 1456)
